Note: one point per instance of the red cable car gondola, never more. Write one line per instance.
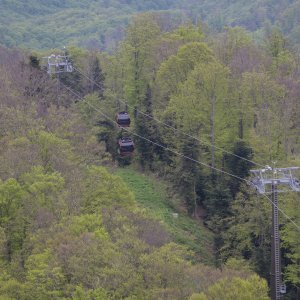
(126, 146)
(123, 119)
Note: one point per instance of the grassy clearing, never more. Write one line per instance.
(152, 194)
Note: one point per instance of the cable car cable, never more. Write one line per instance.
(184, 156)
(175, 129)
(187, 157)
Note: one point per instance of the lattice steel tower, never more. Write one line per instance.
(267, 181)
(58, 64)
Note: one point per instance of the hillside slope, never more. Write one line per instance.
(42, 24)
(152, 194)
(39, 24)
(69, 229)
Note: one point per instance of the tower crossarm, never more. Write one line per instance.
(279, 176)
(58, 64)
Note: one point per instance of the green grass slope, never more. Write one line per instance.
(152, 195)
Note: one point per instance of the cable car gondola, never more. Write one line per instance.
(126, 146)
(123, 119)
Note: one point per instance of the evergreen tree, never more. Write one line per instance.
(218, 197)
(107, 134)
(97, 78)
(34, 62)
(248, 231)
(237, 165)
(188, 175)
(72, 79)
(147, 128)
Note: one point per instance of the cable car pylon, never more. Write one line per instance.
(58, 64)
(264, 180)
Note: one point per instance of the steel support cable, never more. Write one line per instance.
(184, 156)
(175, 129)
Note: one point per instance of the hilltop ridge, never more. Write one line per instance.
(38, 24)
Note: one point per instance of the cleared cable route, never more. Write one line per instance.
(173, 128)
(182, 155)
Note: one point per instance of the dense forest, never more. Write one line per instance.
(178, 219)
(40, 24)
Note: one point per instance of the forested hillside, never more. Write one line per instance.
(176, 220)
(69, 229)
(38, 24)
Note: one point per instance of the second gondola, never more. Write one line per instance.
(125, 146)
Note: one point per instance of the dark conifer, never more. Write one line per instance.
(34, 62)
(238, 166)
(97, 76)
(72, 79)
(145, 127)
(188, 175)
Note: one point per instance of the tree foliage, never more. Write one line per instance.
(99, 25)
(253, 288)
(70, 228)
